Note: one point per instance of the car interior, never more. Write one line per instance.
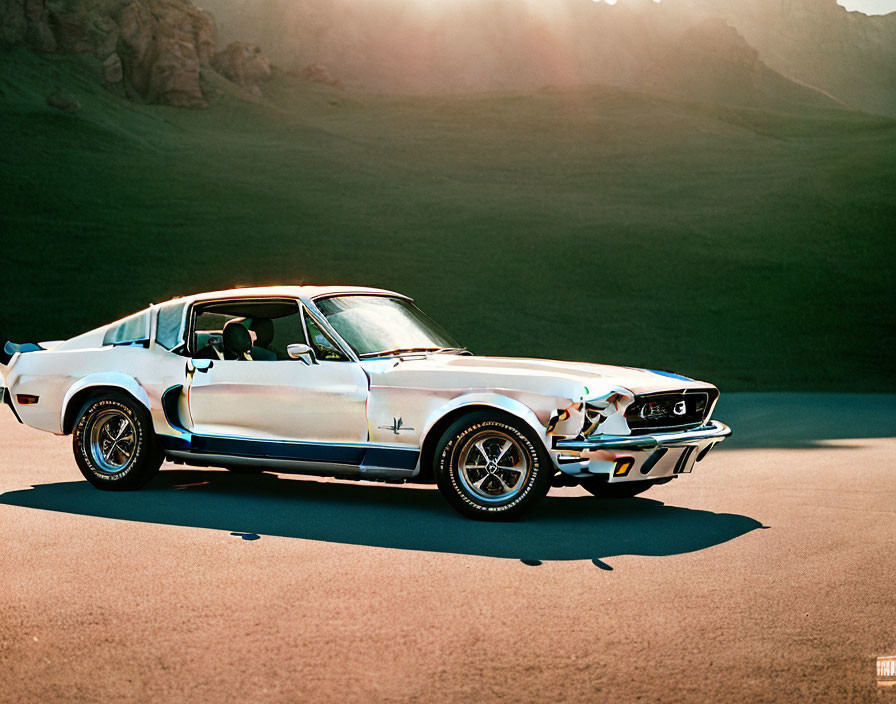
(254, 330)
(245, 330)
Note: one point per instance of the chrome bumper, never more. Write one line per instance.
(714, 430)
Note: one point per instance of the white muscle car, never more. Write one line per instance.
(352, 382)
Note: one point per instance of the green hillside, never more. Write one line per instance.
(750, 248)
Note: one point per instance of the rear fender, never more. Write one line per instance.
(108, 379)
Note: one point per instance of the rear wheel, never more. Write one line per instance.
(114, 443)
(618, 490)
(491, 469)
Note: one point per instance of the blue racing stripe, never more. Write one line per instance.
(352, 455)
(671, 375)
(392, 457)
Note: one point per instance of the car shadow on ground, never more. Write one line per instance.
(406, 517)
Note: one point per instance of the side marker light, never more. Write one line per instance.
(623, 466)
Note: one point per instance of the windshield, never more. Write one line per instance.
(380, 325)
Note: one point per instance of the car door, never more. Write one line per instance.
(306, 399)
(280, 400)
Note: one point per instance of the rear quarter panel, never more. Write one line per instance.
(56, 376)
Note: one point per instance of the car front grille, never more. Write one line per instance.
(674, 410)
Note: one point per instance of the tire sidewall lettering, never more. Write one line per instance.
(448, 465)
(83, 445)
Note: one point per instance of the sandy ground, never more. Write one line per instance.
(767, 575)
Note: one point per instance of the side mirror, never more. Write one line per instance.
(199, 365)
(300, 350)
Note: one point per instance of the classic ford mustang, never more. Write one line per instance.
(355, 383)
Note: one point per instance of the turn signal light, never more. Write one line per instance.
(623, 466)
(27, 399)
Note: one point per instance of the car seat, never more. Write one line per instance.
(237, 340)
(264, 336)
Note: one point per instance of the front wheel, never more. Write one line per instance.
(491, 469)
(114, 444)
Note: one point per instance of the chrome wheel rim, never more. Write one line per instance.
(493, 466)
(113, 441)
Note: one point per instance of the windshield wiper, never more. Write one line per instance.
(413, 350)
(398, 350)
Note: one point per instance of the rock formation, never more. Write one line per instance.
(472, 45)
(161, 44)
(712, 62)
(38, 33)
(244, 64)
(113, 71)
(63, 101)
(818, 42)
(154, 49)
(768, 48)
(319, 74)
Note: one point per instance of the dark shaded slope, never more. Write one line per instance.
(742, 245)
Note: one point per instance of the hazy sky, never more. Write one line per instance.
(871, 7)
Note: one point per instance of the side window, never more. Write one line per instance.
(168, 325)
(323, 347)
(208, 334)
(255, 330)
(129, 331)
(287, 330)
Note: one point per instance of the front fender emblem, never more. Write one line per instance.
(396, 427)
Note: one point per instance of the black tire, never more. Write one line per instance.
(131, 463)
(622, 490)
(457, 477)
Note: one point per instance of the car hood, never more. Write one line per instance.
(574, 380)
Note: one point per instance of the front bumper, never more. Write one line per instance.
(639, 457)
(714, 430)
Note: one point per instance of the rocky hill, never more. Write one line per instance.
(771, 53)
(817, 42)
(712, 62)
(472, 45)
(154, 50)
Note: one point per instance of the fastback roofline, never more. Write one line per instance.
(302, 292)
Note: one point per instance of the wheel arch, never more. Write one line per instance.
(441, 420)
(109, 382)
